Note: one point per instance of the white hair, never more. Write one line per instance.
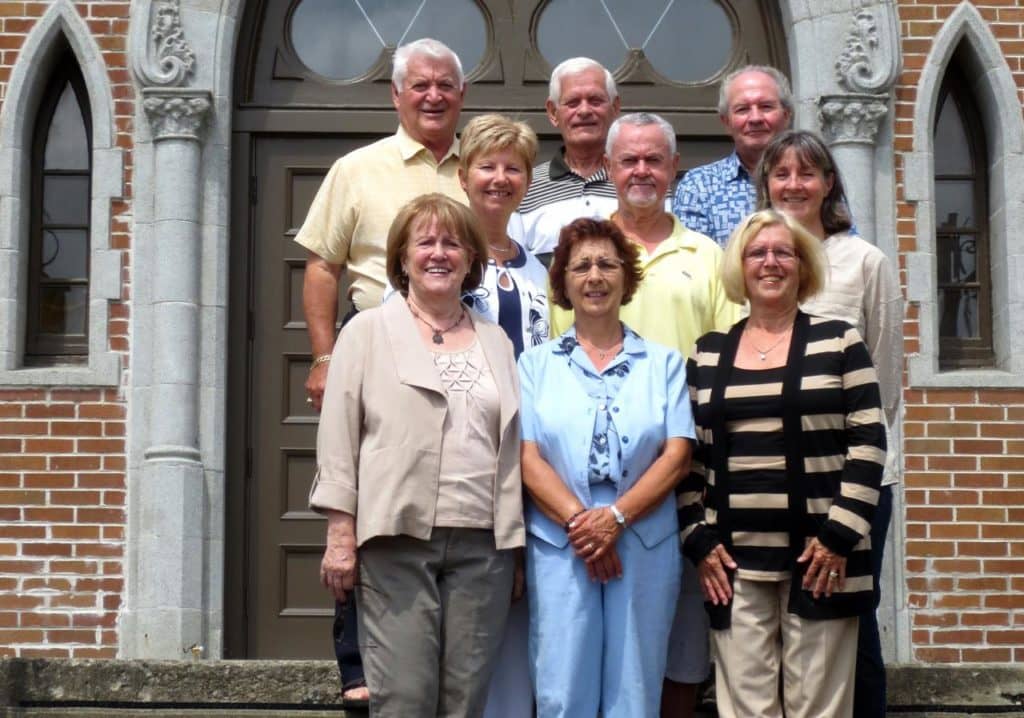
(641, 119)
(781, 83)
(574, 66)
(417, 48)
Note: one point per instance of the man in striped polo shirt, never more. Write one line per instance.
(582, 103)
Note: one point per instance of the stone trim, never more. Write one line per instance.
(1004, 127)
(17, 125)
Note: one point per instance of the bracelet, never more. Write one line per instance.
(322, 359)
(572, 518)
(620, 518)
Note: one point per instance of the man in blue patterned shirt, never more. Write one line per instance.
(755, 104)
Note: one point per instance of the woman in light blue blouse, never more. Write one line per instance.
(607, 433)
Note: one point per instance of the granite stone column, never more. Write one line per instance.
(169, 604)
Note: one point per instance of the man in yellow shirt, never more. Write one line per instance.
(347, 225)
(680, 298)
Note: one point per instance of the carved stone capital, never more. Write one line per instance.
(852, 118)
(870, 60)
(176, 113)
(162, 57)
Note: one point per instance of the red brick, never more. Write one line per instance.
(930, 548)
(74, 567)
(1004, 566)
(49, 446)
(1000, 463)
(22, 463)
(42, 411)
(107, 446)
(953, 497)
(935, 619)
(985, 655)
(956, 565)
(75, 462)
(100, 516)
(981, 514)
(937, 655)
(101, 481)
(14, 497)
(979, 413)
(93, 652)
(101, 411)
(986, 583)
(75, 498)
(978, 446)
(985, 619)
(46, 549)
(31, 619)
(74, 532)
(1005, 637)
(45, 653)
(1009, 601)
(21, 636)
(74, 600)
(929, 513)
(981, 548)
(50, 515)
(24, 601)
(77, 428)
(49, 480)
(98, 549)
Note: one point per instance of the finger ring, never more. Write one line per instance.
(589, 547)
(309, 400)
(833, 575)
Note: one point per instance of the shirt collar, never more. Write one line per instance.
(516, 262)
(558, 169)
(409, 148)
(632, 343)
(735, 168)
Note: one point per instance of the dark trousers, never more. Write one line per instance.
(345, 630)
(869, 684)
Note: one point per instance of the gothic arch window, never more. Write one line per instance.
(58, 267)
(964, 299)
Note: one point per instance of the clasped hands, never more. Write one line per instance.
(593, 534)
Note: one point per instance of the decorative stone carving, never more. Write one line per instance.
(162, 56)
(852, 118)
(176, 113)
(870, 61)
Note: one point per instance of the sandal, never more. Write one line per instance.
(354, 703)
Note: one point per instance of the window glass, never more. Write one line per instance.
(62, 309)
(952, 151)
(65, 254)
(343, 40)
(66, 145)
(954, 203)
(684, 41)
(65, 199)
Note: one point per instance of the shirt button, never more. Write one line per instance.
(600, 440)
(603, 407)
(625, 439)
(615, 409)
(625, 473)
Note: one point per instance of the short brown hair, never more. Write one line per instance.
(583, 229)
(493, 133)
(451, 215)
(813, 265)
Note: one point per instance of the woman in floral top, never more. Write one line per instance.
(607, 433)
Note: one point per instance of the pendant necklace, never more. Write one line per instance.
(763, 353)
(601, 352)
(439, 333)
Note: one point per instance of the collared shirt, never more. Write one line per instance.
(556, 197)
(352, 212)
(681, 296)
(713, 198)
(651, 405)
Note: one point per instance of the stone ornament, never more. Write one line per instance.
(162, 56)
(176, 113)
(851, 118)
(869, 62)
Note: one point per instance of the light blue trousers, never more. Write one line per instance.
(597, 647)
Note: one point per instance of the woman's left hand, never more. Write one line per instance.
(593, 533)
(826, 571)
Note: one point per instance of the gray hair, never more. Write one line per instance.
(641, 119)
(781, 82)
(574, 66)
(428, 47)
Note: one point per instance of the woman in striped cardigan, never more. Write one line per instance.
(777, 510)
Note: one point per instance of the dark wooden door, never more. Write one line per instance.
(289, 612)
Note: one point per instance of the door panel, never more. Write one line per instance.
(289, 613)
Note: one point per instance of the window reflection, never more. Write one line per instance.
(684, 41)
(342, 39)
(66, 145)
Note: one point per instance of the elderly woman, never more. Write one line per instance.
(418, 472)
(495, 164)
(607, 434)
(790, 457)
(798, 176)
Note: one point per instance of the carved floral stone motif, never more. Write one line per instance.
(869, 62)
(163, 56)
(176, 113)
(852, 118)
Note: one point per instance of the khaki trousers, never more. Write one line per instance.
(817, 658)
(431, 619)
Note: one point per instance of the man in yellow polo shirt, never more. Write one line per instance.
(347, 225)
(680, 298)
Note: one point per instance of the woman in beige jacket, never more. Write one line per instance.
(418, 472)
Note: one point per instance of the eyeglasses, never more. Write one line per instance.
(604, 265)
(782, 255)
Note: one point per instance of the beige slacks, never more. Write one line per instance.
(431, 618)
(817, 658)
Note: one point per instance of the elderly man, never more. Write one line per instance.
(755, 104)
(348, 222)
(680, 298)
(582, 103)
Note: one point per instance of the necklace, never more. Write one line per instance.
(763, 353)
(439, 333)
(602, 352)
(511, 248)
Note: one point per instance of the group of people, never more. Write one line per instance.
(544, 485)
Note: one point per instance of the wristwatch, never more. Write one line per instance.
(620, 518)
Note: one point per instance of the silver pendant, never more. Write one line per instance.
(438, 339)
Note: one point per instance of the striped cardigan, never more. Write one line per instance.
(832, 440)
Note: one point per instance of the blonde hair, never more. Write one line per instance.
(493, 133)
(813, 265)
(451, 215)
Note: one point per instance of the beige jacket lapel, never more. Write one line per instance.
(412, 360)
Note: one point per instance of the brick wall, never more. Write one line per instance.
(62, 452)
(964, 477)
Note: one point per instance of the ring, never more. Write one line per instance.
(309, 400)
(833, 575)
(589, 547)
